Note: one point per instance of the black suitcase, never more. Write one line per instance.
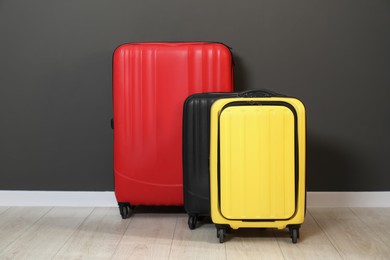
(196, 150)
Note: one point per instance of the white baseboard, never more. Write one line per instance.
(348, 199)
(58, 198)
(107, 199)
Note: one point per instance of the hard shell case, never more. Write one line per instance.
(257, 164)
(150, 84)
(196, 150)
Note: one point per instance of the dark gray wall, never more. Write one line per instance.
(55, 80)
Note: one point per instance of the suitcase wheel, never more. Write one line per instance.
(294, 234)
(221, 233)
(125, 209)
(192, 220)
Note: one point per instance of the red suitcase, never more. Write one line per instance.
(150, 84)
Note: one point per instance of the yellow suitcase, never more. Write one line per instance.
(257, 164)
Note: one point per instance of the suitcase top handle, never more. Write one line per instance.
(259, 93)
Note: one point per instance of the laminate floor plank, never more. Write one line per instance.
(200, 243)
(378, 220)
(148, 236)
(100, 233)
(97, 237)
(17, 220)
(46, 236)
(312, 244)
(352, 238)
(252, 243)
(3, 209)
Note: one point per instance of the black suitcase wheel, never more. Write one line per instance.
(192, 220)
(125, 209)
(221, 235)
(294, 233)
(294, 236)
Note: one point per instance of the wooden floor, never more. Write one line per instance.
(100, 233)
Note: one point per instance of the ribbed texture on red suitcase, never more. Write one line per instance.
(150, 84)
